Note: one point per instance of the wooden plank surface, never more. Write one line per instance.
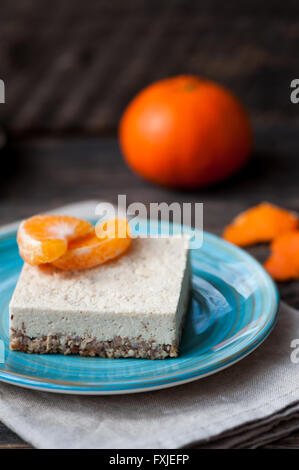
(45, 173)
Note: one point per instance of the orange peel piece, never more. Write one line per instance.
(259, 224)
(108, 241)
(44, 238)
(283, 263)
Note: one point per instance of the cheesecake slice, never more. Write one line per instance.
(133, 306)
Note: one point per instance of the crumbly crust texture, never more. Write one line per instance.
(86, 346)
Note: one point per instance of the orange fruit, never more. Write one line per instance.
(185, 132)
(44, 238)
(258, 224)
(109, 240)
(283, 263)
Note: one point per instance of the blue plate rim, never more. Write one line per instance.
(51, 385)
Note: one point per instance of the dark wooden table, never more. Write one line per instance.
(45, 173)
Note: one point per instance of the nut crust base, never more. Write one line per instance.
(86, 346)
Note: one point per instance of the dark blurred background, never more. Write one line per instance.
(72, 66)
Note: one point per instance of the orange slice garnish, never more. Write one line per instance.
(258, 224)
(109, 240)
(44, 238)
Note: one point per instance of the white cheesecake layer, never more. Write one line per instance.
(142, 293)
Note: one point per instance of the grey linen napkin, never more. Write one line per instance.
(251, 403)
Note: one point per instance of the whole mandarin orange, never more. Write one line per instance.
(185, 132)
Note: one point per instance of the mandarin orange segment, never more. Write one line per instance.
(90, 251)
(44, 238)
(261, 223)
(283, 263)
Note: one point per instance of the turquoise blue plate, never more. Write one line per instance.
(233, 308)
